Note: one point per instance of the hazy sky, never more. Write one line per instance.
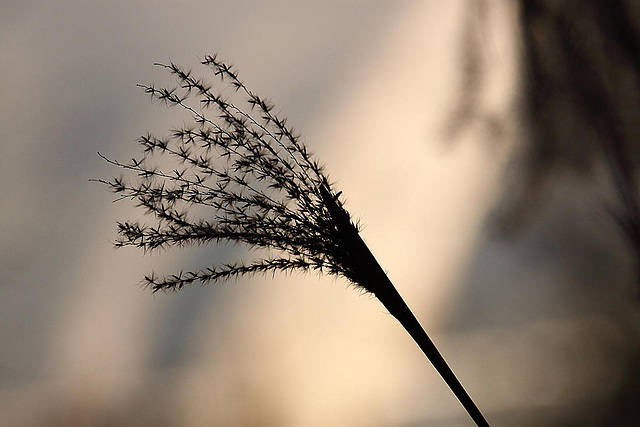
(368, 83)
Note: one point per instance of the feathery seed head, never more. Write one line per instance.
(232, 176)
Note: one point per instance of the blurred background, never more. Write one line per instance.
(488, 147)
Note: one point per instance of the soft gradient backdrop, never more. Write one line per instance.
(372, 86)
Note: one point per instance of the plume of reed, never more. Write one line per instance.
(237, 172)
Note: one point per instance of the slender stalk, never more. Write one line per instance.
(394, 303)
(373, 278)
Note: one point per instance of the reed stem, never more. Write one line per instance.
(374, 279)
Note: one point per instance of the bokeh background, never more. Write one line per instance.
(416, 110)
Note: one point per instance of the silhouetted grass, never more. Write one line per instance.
(238, 173)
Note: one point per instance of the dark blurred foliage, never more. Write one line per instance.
(581, 65)
(579, 100)
(578, 110)
(581, 88)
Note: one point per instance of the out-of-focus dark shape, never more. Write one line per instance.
(562, 282)
(582, 94)
(579, 100)
(581, 88)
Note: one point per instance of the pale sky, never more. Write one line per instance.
(370, 85)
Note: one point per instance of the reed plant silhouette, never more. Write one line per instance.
(238, 173)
